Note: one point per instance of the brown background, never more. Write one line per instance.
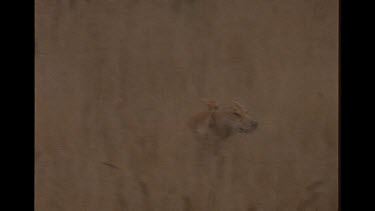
(117, 80)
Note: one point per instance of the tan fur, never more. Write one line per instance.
(221, 123)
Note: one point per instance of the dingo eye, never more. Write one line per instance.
(237, 114)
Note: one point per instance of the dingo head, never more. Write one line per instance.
(222, 122)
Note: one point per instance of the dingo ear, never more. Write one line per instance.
(239, 107)
(211, 104)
